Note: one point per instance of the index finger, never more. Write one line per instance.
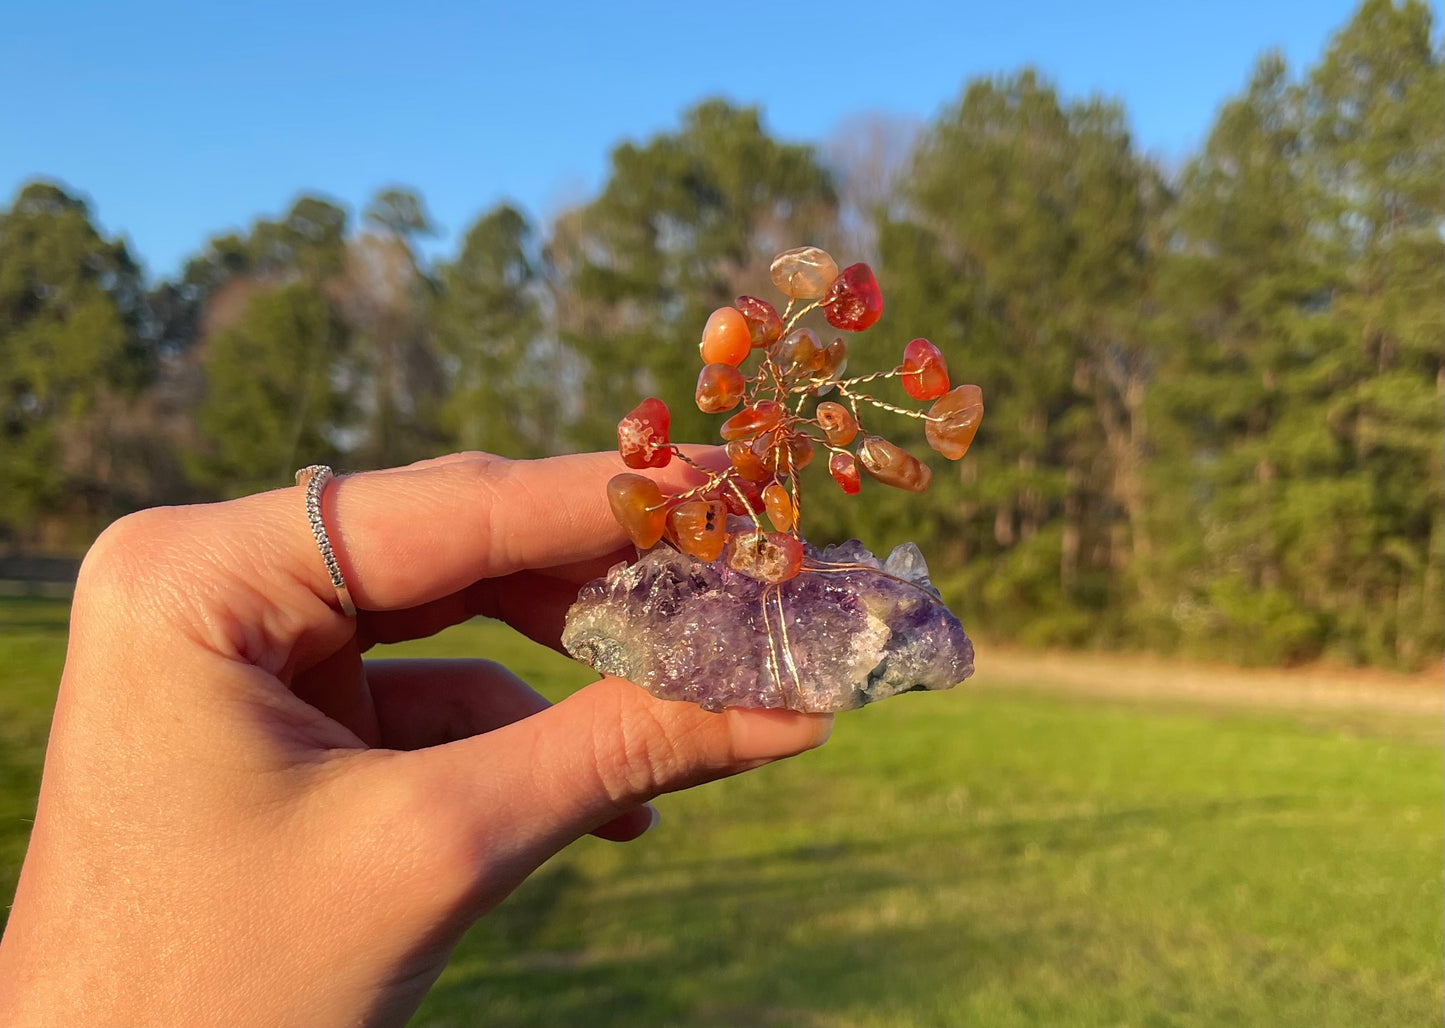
(412, 535)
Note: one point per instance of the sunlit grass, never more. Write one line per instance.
(983, 857)
(32, 650)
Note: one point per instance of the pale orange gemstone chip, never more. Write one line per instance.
(770, 557)
(804, 272)
(700, 528)
(837, 424)
(953, 421)
(893, 465)
(780, 508)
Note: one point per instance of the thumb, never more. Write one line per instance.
(528, 789)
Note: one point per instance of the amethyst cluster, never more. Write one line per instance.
(848, 630)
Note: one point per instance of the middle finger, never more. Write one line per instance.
(532, 602)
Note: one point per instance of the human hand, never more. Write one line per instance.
(240, 822)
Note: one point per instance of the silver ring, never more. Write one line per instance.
(314, 478)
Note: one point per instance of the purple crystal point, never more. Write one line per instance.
(848, 630)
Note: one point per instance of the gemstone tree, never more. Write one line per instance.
(774, 434)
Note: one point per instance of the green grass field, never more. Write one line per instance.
(985, 857)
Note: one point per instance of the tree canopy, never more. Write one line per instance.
(69, 313)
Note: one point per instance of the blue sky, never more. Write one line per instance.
(181, 120)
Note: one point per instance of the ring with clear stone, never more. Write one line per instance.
(314, 478)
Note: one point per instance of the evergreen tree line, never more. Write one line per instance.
(1214, 396)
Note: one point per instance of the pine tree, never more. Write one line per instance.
(1244, 290)
(1371, 559)
(258, 352)
(271, 398)
(384, 295)
(507, 382)
(1025, 257)
(685, 224)
(1298, 408)
(69, 347)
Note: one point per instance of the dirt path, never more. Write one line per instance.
(1127, 676)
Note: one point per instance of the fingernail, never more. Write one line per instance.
(769, 734)
(655, 816)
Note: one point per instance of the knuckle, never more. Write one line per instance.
(129, 553)
(482, 468)
(640, 754)
(492, 484)
(478, 457)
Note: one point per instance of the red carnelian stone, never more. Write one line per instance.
(925, 375)
(638, 506)
(953, 421)
(763, 416)
(719, 388)
(749, 503)
(726, 339)
(764, 325)
(699, 527)
(770, 557)
(837, 424)
(893, 465)
(642, 435)
(844, 470)
(854, 301)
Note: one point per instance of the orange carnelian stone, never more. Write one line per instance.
(800, 453)
(638, 506)
(854, 301)
(844, 470)
(642, 435)
(780, 508)
(800, 356)
(719, 388)
(783, 455)
(764, 325)
(763, 416)
(837, 424)
(925, 375)
(893, 465)
(699, 528)
(747, 463)
(726, 339)
(766, 556)
(835, 360)
(831, 367)
(953, 421)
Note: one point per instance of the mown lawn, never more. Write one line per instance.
(984, 857)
